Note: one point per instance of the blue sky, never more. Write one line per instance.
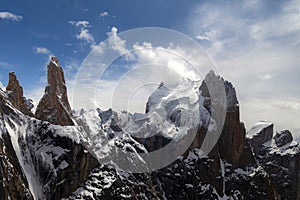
(255, 44)
(46, 24)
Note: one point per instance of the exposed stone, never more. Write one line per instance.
(15, 95)
(282, 163)
(259, 134)
(67, 171)
(13, 183)
(232, 140)
(283, 137)
(54, 106)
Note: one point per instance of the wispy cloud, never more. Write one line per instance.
(266, 76)
(250, 41)
(104, 14)
(6, 65)
(86, 36)
(141, 67)
(43, 51)
(10, 16)
(215, 44)
(84, 33)
(83, 23)
(282, 111)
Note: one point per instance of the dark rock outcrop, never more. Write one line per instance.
(283, 137)
(280, 157)
(13, 184)
(259, 134)
(54, 106)
(15, 95)
(232, 139)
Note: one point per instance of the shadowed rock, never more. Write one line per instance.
(283, 137)
(54, 105)
(15, 95)
(259, 134)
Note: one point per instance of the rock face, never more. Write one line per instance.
(13, 183)
(15, 95)
(54, 106)
(283, 137)
(279, 156)
(57, 164)
(259, 134)
(60, 163)
(232, 140)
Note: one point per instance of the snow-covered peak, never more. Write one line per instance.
(167, 93)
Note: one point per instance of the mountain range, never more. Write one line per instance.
(59, 153)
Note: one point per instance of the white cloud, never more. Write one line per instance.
(116, 43)
(143, 66)
(83, 23)
(43, 51)
(256, 39)
(216, 45)
(283, 112)
(10, 16)
(47, 56)
(104, 14)
(266, 76)
(35, 94)
(84, 33)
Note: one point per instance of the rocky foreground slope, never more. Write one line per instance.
(57, 154)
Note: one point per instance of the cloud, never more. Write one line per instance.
(283, 112)
(10, 16)
(43, 51)
(116, 43)
(35, 94)
(6, 65)
(83, 23)
(104, 14)
(84, 33)
(86, 36)
(266, 76)
(211, 37)
(250, 41)
(128, 81)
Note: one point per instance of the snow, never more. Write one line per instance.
(173, 110)
(189, 186)
(291, 148)
(75, 133)
(257, 128)
(98, 180)
(15, 132)
(223, 174)
(54, 62)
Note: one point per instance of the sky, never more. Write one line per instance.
(254, 44)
